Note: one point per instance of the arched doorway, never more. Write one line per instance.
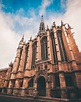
(41, 86)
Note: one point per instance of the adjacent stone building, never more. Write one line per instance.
(48, 65)
(2, 76)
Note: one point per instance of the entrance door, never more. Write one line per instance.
(41, 86)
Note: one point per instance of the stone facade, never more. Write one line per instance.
(2, 77)
(48, 65)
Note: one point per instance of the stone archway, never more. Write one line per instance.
(41, 86)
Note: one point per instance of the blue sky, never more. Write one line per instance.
(22, 17)
(29, 8)
(12, 6)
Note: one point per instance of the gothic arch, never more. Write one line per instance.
(61, 46)
(41, 86)
(27, 47)
(34, 41)
(69, 80)
(44, 49)
(41, 75)
(43, 36)
(53, 47)
(30, 83)
(34, 49)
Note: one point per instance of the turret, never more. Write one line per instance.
(42, 26)
(21, 42)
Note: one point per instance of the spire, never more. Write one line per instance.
(54, 25)
(69, 26)
(31, 38)
(62, 23)
(22, 39)
(21, 42)
(47, 27)
(42, 26)
(11, 64)
(42, 19)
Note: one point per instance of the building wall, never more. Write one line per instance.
(49, 65)
(2, 77)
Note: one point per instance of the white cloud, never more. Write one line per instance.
(8, 41)
(71, 16)
(13, 26)
(10, 34)
(44, 5)
(63, 4)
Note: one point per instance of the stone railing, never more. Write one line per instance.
(18, 91)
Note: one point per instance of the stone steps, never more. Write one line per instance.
(10, 98)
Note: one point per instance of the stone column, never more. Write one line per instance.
(6, 83)
(29, 59)
(38, 56)
(16, 65)
(75, 54)
(75, 57)
(72, 42)
(61, 75)
(47, 90)
(62, 85)
(22, 61)
(65, 39)
(25, 85)
(17, 60)
(17, 85)
(3, 85)
(9, 91)
(49, 43)
(78, 82)
(57, 48)
(71, 55)
(35, 88)
(21, 67)
(52, 81)
(7, 76)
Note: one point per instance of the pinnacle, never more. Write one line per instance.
(42, 19)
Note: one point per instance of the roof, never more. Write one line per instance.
(3, 69)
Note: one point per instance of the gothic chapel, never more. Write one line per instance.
(49, 65)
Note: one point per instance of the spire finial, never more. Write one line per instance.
(54, 25)
(42, 19)
(47, 27)
(62, 23)
(69, 26)
(31, 38)
(11, 64)
(22, 37)
(21, 41)
(42, 27)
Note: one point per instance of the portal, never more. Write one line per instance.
(41, 86)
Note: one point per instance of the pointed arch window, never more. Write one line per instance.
(30, 83)
(12, 83)
(21, 83)
(61, 46)
(69, 80)
(54, 47)
(57, 80)
(34, 48)
(44, 51)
